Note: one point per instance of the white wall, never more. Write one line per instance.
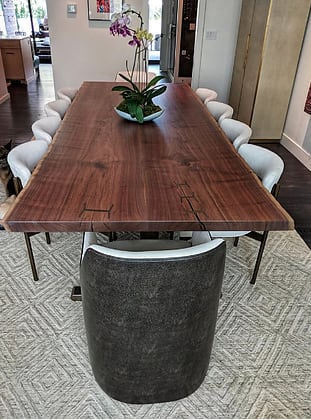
(297, 130)
(214, 59)
(83, 49)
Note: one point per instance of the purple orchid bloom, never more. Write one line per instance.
(134, 42)
(119, 27)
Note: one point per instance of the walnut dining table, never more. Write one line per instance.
(106, 174)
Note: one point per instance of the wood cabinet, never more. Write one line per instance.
(17, 59)
(269, 43)
(3, 87)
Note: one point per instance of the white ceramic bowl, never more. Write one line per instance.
(128, 117)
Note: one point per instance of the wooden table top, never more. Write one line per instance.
(179, 172)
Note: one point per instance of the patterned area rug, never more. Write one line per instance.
(261, 360)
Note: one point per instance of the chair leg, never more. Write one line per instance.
(259, 256)
(31, 257)
(112, 236)
(236, 241)
(48, 238)
(76, 294)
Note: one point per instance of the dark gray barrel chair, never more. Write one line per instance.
(150, 316)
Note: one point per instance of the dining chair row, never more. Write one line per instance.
(219, 110)
(46, 127)
(23, 158)
(56, 108)
(237, 131)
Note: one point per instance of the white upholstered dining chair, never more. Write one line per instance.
(67, 93)
(57, 108)
(268, 166)
(206, 94)
(22, 160)
(45, 128)
(238, 132)
(219, 110)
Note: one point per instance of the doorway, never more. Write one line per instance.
(168, 40)
(178, 38)
(30, 19)
(162, 24)
(155, 27)
(29, 15)
(37, 25)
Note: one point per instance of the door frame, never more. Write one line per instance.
(168, 30)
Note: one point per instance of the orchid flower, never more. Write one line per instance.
(137, 99)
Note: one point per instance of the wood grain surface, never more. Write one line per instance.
(179, 172)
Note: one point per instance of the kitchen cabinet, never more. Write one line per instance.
(4, 95)
(17, 59)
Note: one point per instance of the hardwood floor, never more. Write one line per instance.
(295, 191)
(26, 106)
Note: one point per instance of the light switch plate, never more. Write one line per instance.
(211, 35)
(71, 8)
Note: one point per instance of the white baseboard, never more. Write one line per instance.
(302, 155)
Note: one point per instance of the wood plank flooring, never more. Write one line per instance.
(295, 191)
(26, 106)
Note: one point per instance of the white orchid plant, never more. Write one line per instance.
(137, 94)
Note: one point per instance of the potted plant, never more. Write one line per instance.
(139, 92)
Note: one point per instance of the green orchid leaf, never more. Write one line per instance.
(121, 88)
(136, 97)
(132, 107)
(130, 81)
(156, 92)
(139, 114)
(154, 81)
(159, 91)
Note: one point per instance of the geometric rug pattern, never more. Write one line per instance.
(261, 359)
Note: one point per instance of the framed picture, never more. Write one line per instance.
(308, 102)
(103, 9)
